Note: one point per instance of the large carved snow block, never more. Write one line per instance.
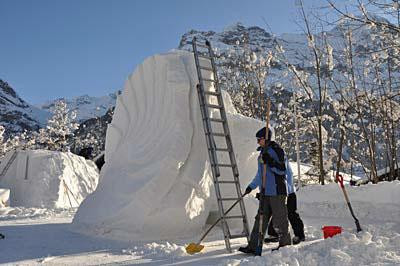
(156, 182)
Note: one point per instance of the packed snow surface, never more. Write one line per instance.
(157, 180)
(43, 236)
(47, 179)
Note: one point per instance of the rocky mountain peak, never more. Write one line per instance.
(8, 96)
(7, 88)
(16, 114)
(230, 35)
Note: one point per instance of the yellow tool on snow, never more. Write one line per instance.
(193, 248)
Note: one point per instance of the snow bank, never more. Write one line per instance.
(368, 201)
(4, 197)
(344, 249)
(156, 182)
(48, 179)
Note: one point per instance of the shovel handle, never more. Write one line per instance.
(339, 178)
(219, 219)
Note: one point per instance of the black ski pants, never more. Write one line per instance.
(273, 206)
(293, 216)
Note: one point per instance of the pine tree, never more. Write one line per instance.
(60, 127)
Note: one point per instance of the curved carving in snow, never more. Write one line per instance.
(156, 182)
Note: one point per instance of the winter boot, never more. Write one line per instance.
(271, 239)
(296, 240)
(246, 250)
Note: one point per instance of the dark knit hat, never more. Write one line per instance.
(261, 133)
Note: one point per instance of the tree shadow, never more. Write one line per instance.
(38, 241)
(45, 242)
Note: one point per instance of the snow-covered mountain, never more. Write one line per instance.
(256, 39)
(16, 114)
(86, 106)
(295, 47)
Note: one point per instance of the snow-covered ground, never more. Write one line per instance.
(43, 236)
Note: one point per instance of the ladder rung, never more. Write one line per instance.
(226, 199)
(210, 80)
(214, 106)
(201, 45)
(237, 236)
(218, 134)
(222, 149)
(226, 182)
(212, 93)
(217, 120)
(234, 217)
(224, 165)
(204, 56)
(206, 68)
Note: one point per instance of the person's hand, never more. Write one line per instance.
(248, 190)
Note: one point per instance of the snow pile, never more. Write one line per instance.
(156, 251)
(368, 201)
(48, 179)
(4, 197)
(18, 213)
(156, 182)
(344, 249)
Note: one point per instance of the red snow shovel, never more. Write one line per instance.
(339, 178)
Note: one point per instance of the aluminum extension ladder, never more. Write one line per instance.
(204, 51)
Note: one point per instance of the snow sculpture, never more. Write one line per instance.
(156, 182)
(47, 179)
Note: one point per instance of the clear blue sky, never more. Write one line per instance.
(54, 48)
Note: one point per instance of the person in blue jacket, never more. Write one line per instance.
(293, 216)
(275, 191)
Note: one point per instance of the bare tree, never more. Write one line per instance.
(382, 94)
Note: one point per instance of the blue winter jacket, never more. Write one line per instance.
(276, 181)
(289, 178)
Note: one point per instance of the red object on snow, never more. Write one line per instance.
(331, 230)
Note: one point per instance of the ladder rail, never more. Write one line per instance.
(204, 111)
(9, 163)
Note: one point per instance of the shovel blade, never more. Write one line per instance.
(193, 248)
